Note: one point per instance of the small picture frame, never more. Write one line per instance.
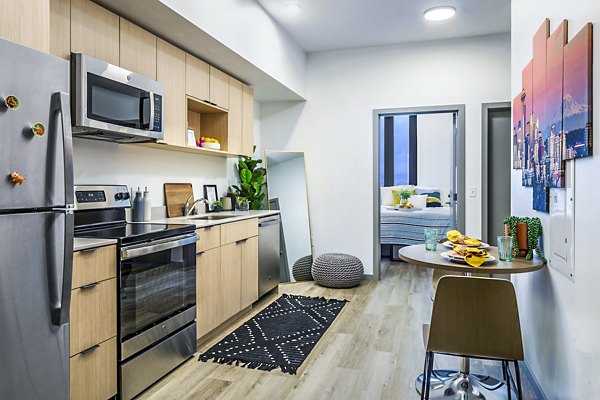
(211, 195)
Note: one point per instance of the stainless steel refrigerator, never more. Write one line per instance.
(36, 224)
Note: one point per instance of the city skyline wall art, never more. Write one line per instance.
(552, 115)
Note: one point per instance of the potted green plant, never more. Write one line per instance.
(242, 204)
(217, 206)
(252, 181)
(526, 233)
(403, 196)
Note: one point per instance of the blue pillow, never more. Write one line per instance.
(433, 198)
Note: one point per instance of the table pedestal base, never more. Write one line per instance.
(447, 384)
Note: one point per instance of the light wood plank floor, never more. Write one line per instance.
(373, 350)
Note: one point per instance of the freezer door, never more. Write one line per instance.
(33, 78)
(34, 349)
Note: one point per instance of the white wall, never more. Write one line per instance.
(287, 182)
(256, 36)
(559, 318)
(335, 126)
(434, 151)
(110, 163)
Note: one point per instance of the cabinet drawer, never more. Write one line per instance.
(94, 265)
(209, 238)
(93, 315)
(94, 374)
(240, 230)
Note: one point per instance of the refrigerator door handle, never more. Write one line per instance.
(61, 105)
(60, 280)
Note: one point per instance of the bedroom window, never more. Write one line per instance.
(398, 161)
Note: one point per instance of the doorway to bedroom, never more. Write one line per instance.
(419, 174)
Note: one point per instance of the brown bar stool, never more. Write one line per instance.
(476, 318)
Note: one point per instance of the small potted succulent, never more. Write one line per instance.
(242, 204)
(217, 206)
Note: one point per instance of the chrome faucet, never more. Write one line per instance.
(187, 210)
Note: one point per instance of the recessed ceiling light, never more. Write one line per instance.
(439, 13)
(293, 7)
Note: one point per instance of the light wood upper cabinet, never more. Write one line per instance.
(26, 22)
(234, 133)
(219, 87)
(208, 291)
(249, 271)
(60, 28)
(170, 71)
(94, 31)
(137, 49)
(231, 280)
(197, 78)
(247, 120)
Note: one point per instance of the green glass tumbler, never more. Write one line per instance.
(431, 239)
(505, 246)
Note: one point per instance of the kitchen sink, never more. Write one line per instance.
(212, 217)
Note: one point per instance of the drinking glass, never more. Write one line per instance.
(431, 239)
(505, 246)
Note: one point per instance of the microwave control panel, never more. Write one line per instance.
(157, 123)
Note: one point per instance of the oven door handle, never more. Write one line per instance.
(155, 248)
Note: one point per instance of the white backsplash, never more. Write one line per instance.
(98, 162)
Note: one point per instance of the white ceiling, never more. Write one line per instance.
(339, 24)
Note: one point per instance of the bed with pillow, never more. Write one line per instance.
(402, 228)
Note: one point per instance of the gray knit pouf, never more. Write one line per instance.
(336, 270)
(301, 269)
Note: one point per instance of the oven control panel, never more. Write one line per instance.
(93, 197)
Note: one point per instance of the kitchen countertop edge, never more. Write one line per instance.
(205, 224)
(90, 243)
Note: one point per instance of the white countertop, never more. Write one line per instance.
(232, 216)
(85, 243)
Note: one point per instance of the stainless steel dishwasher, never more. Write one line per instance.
(268, 253)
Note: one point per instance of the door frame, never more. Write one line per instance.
(485, 115)
(458, 158)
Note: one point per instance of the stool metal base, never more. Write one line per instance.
(447, 384)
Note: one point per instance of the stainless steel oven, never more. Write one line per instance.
(157, 285)
(114, 104)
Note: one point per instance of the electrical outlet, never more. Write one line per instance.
(472, 191)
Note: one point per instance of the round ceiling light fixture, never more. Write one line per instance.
(293, 7)
(439, 13)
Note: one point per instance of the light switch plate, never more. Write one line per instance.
(561, 233)
(472, 191)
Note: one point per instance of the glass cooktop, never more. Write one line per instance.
(137, 232)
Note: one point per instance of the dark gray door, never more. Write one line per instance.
(34, 349)
(33, 77)
(499, 166)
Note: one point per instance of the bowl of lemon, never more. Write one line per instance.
(210, 143)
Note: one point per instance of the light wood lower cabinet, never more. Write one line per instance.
(208, 288)
(94, 373)
(231, 279)
(249, 271)
(93, 326)
(226, 274)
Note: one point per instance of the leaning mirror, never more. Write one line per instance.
(286, 190)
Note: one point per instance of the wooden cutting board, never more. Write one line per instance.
(175, 196)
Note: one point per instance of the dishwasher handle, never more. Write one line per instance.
(267, 222)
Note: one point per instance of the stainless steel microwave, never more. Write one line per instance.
(113, 104)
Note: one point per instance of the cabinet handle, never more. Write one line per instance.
(90, 285)
(90, 349)
(88, 251)
(241, 241)
(201, 252)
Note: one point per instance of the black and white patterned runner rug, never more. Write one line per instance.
(280, 336)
